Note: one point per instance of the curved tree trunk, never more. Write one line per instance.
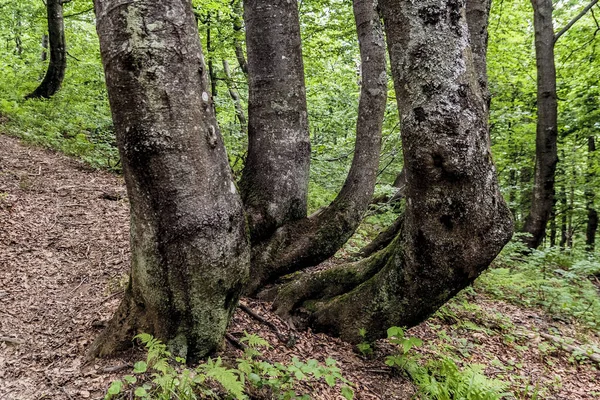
(189, 245)
(274, 182)
(456, 220)
(58, 52)
(546, 155)
(312, 240)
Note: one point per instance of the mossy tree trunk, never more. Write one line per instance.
(58, 52)
(309, 241)
(189, 244)
(456, 220)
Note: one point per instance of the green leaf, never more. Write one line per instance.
(140, 367)
(347, 392)
(140, 392)
(115, 388)
(130, 379)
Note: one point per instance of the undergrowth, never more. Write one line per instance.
(558, 281)
(162, 376)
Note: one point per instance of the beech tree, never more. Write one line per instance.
(546, 146)
(190, 250)
(58, 51)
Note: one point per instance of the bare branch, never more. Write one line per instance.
(574, 20)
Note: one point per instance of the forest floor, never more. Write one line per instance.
(64, 255)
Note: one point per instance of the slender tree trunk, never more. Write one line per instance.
(563, 217)
(312, 240)
(590, 196)
(456, 221)
(58, 52)
(238, 34)
(274, 182)
(190, 251)
(235, 96)
(553, 226)
(212, 74)
(547, 126)
(570, 227)
(44, 55)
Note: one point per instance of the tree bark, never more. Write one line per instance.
(190, 251)
(274, 182)
(58, 52)
(546, 156)
(590, 196)
(312, 240)
(456, 220)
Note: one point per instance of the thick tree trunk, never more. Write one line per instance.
(312, 240)
(190, 251)
(547, 127)
(274, 182)
(456, 221)
(58, 52)
(478, 12)
(590, 197)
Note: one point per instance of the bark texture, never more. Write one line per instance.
(312, 240)
(189, 245)
(58, 52)
(456, 220)
(274, 182)
(546, 156)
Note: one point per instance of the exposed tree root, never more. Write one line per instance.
(283, 338)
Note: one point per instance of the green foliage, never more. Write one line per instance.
(163, 377)
(557, 281)
(441, 378)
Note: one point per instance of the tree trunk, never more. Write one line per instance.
(235, 96)
(274, 182)
(189, 246)
(547, 126)
(456, 220)
(238, 33)
(44, 55)
(312, 240)
(58, 52)
(590, 196)
(212, 74)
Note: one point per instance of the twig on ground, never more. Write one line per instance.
(235, 343)
(116, 368)
(283, 338)
(6, 339)
(570, 348)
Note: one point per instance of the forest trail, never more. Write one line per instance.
(64, 256)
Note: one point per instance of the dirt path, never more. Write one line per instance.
(63, 248)
(63, 260)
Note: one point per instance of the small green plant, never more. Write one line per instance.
(364, 347)
(441, 379)
(162, 376)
